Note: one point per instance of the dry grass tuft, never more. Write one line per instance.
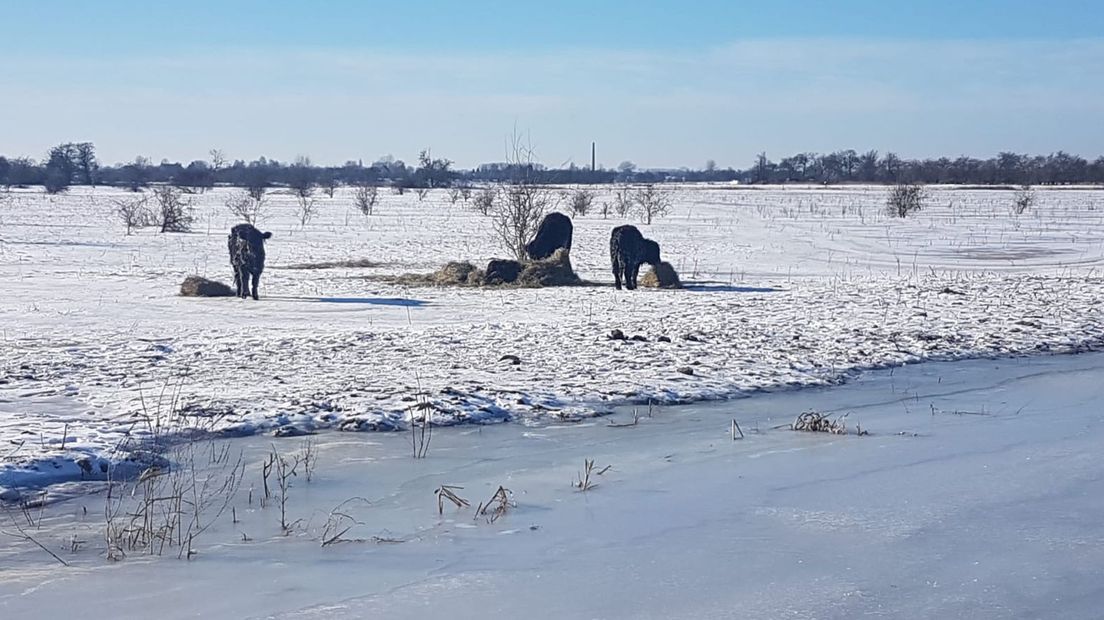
(496, 507)
(195, 286)
(357, 263)
(662, 275)
(448, 492)
(814, 422)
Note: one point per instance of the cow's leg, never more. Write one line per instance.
(239, 282)
(256, 283)
(630, 275)
(617, 274)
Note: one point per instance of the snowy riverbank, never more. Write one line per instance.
(794, 288)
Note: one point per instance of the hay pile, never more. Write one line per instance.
(553, 271)
(195, 286)
(662, 275)
(457, 274)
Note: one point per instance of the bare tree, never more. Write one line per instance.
(301, 178)
(905, 199)
(245, 206)
(218, 159)
(484, 200)
(174, 212)
(328, 181)
(365, 196)
(1023, 200)
(522, 203)
(581, 201)
(307, 210)
(622, 201)
(652, 202)
(133, 212)
(86, 162)
(461, 190)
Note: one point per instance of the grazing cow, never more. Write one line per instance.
(628, 249)
(553, 233)
(247, 257)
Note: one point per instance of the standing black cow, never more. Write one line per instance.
(247, 257)
(553, 233)
(628, 249)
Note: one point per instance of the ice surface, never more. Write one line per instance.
(975, 495)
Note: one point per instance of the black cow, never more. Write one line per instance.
(628, 249)
(247, 257)
(553, 233)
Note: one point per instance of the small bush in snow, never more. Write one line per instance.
(581, 201)
(174, 213)
(1023, 200)
(365, 197)
(133, 212)
(484, 201)
(622, 201)
(245, 206)
(516, 217)
(906, 199)
(652, 202)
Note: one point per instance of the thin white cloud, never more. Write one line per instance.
(694, 104)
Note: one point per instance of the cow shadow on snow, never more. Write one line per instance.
(372, 301)
(708, 287)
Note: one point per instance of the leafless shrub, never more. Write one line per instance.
(581, 200)
(459, 191)
(329, 184)
(245, 206)
(518, 213)
(134, 212)
(652, 202)
(307, 210)
(169, 507)
(310, 459)
(584, 481)
(421, 192)
(421, 425)
(1023, 199)
(905, 199)
(365, 196)
(446, 492)
(285, 468)
(623, 201)
(484, 200)
(174, 212)
(496, 507)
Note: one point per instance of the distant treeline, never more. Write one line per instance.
(76, 164)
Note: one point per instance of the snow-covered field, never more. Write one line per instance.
(789, 287)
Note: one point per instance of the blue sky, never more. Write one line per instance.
(660, 83)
